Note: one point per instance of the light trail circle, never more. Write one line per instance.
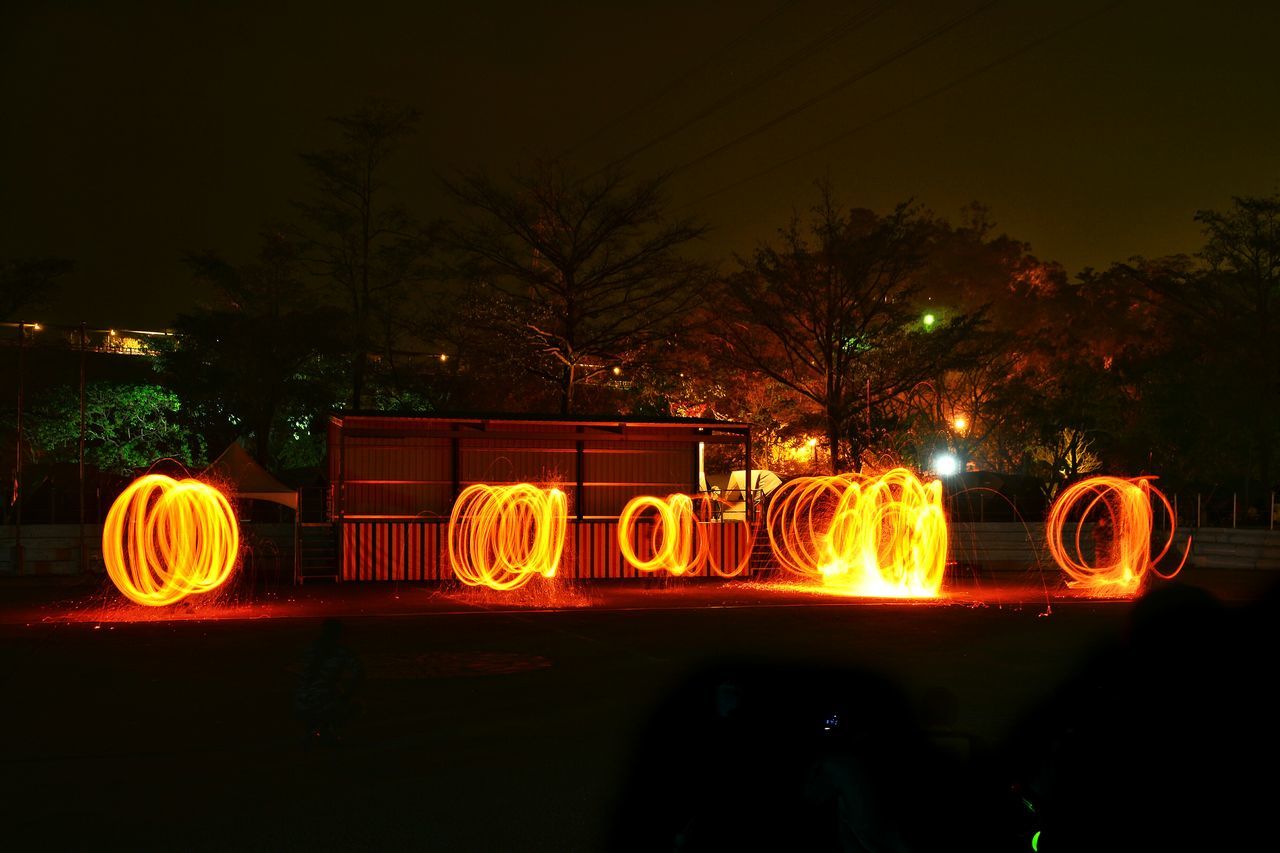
(1124, 508)
(675, 543)
(501, 536)
(165, 539)
(880, 535)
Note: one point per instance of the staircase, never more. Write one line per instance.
(762, 559)
(316, 553)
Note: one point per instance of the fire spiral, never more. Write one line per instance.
(1120, 511)
(881, 535)
(165, 539)
(501, 536)
(677, 542)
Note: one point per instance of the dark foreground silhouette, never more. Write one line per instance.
(328, 687)
(1164, 742)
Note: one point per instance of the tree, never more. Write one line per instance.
(127, 426)
(28, 282)
(576, 277)
(1238, 305)
(1203, 343)
(832, 313)
(366, 247)
(988, 408)
(260, 354)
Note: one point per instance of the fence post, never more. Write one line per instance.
(1271, 519)
(1197, 509)
(1233, 510)
(1175, 509)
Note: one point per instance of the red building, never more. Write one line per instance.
(393, 480)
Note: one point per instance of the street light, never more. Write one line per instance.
(961, 423)
(946, 465)
(929, 320)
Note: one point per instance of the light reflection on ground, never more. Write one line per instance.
(375, 600)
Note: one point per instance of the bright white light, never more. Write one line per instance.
(945, 465)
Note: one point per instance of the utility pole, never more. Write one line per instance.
(17, 471)
(84, 556)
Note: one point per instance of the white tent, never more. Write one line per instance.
(762, 484)
(241, 474)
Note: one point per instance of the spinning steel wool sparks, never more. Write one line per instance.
(677, 542)
(882, 535)
(1121, 511)
(165, 539)
(501, 536)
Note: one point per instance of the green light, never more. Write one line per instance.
(1035, 842)
(929, 320)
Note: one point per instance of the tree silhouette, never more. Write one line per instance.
(239, 364)
(574, 278)
(832, 313)
(365, 246)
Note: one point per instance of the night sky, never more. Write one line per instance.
(134, 132)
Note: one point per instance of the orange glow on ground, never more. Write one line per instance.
(165, 539)
(880, 536)
(677, 543)
(501, 536)
(1123, 507)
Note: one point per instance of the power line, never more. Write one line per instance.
(838, 87)
(788, 62)
(914, 102)
(692, 72)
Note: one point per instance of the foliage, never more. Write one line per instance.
(985, 408)
(127, 427)
(833, 313)
(262, 353)
(1183, 357)
(569, 278)
(365, 247)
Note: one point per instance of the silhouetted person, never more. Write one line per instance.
(761, 757)
(1159, 744)
(331, 678)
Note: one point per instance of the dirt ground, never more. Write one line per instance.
(486, 724)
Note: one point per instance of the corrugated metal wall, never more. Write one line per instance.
(399, 474)
(417, 550)
(614, 472)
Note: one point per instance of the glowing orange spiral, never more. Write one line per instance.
(1124, 507)
(674, 542)
(501, 536)
(678, 541)
(881, 535)
(165, 539)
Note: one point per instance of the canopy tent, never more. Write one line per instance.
(763, 482)
(732, 492)
(239, 471)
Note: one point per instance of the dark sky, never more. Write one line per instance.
(135, 131)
